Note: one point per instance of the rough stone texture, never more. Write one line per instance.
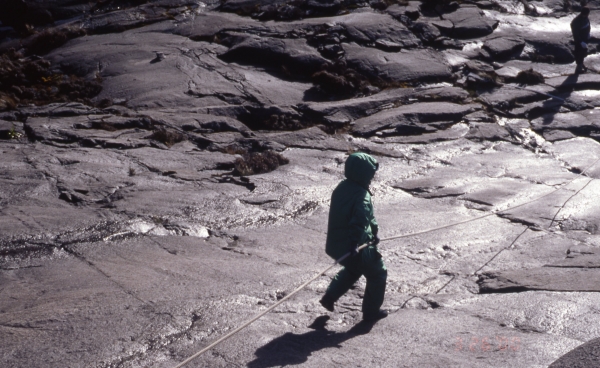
(129, 237)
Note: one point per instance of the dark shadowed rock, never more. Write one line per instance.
(419, 117)
(426, 30)
(547, 47)
(469, 22)
(410, 9)
(11, 129)
(275, 52)
(405, 66)
(584, 356)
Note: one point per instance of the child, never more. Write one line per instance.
(351, 224)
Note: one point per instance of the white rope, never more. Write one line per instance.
(249, 322)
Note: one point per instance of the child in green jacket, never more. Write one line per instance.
(351, 224)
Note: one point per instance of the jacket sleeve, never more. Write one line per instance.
(360, 220)
(374, 226)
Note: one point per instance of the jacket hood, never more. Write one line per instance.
(360, 168)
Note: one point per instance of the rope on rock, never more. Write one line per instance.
(299, 288)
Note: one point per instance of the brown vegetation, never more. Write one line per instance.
(31, 81)
(51, 38)
(529, 77)
(259, 162)
(168, 137)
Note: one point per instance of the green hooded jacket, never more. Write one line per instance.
(351, 218)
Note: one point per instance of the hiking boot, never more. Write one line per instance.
(327, 302)
(376, 317)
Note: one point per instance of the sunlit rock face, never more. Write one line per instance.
(167, 167)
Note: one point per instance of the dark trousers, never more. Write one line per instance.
(580, 54)
(368, 263)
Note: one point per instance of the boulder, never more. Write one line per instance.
(503, 47)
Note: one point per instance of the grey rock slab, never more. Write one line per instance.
(412, 116)
(172, 161)
(117, 21)
(443, 93)
(489, 132)
(110, 132)
(579, 154)
(204, 26)
(567, 314)
(372, 27)
(579, 257)
(404, 66)
(313, 138)
(197, 122)
(56, 130)
(456, 131)
(58, 109)
(470, 22)
(443, 182)
(266, 51)
(345, 111)
(505, 96)
(129, 76)
(57, 305)
(575, 81)
(580, 122)
(549, 71)
(499, 192)
(504, 159)
(557, 135)
(503, 47)
(543, 278)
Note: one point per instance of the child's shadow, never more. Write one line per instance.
(292, 349)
